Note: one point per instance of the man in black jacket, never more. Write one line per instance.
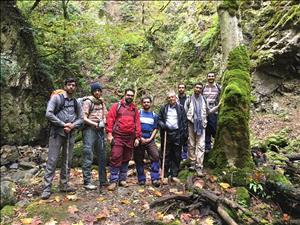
(173, 123)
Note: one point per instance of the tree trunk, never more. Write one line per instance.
(232, 144)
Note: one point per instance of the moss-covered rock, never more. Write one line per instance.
(7, 212)
(277, 176)
(231, 6)
(232, 144)
(242, 196)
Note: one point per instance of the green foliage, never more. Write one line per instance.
(242, 196)
(257, 188)
(7, 212)
(231, 6)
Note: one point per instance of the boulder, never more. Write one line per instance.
(8, 193)
(9, 154)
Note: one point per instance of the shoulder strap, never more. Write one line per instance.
(189, 101)
(61, 103)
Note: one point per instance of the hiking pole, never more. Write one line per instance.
(164, 159)
(67, 157)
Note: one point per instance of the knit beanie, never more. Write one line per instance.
(95, 86)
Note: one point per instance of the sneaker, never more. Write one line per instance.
(45, 195)
(90, 187)
(199, 172)
(123, 183)
(67, 189)
(142, 182)
(156, 183)
(176, 180)
(112, 187)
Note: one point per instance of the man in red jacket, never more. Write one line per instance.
(123, 133)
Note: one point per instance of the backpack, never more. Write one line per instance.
(61, 106)
(85, 98)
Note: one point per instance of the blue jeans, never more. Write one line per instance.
(93, 140)
(210, 130)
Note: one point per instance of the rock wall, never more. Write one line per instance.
(24, 86)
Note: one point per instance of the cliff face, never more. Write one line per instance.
(24, 87)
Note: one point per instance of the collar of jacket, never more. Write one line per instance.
(131, 105)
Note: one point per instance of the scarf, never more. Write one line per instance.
(197, 103)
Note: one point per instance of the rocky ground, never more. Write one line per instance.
(22, 178)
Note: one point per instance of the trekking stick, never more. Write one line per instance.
(164, 158)
(67, 157)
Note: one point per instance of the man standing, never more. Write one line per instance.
(64, 114)
(149, 123)
(173, 124)
(123, 133)
(94, 117)
(195, 108)
(212, 93)
(181, 100)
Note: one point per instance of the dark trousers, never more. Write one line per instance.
(173, 154)
(93, 140)
(210, 130)
(139, 156)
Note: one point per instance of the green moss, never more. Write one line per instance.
(7, 211)
(276, 176)
(212, 33)
(231, 6)
(242, 196)
(46, 213)
(232, 144)
(184, 174)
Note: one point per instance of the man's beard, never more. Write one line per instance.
(128, 100)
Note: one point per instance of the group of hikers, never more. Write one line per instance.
(186, 124)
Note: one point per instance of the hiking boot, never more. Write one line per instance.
(142, 182)
(123, 183)
(112, 187)
(67, 189)
(45, 195)
(176, 180)
(199, 172)
(156, 183)
(90, 187)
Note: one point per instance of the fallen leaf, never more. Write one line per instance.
(208, 221)
(51, 222)
(199, 183)
(151, 189)
(213, 178)
(79, 223)
(103, 214)
(168, 218)
(115, 210)
(72, 209)
(125, 201)
(159, 216)
(141, 190)
(101, 199)
(131, 214)
(224, 185)
(57, 198)
(157, 193)
(64, 223)
(26, 221)
(36, 221)
(72, 197)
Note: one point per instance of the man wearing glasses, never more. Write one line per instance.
(123, 133)
(173, 124)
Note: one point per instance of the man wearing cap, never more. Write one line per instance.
(94, 117)
(173, 124)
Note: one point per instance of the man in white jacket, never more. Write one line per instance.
(196, 110)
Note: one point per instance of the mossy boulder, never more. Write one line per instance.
(7, 212)
(8, 193)
(242, 196)
(232, 143)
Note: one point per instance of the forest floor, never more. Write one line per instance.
(131, 205)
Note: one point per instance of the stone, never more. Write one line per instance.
(8, 193)
(9, 154)
(3, 169)
(27, 165)
(14, 166)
